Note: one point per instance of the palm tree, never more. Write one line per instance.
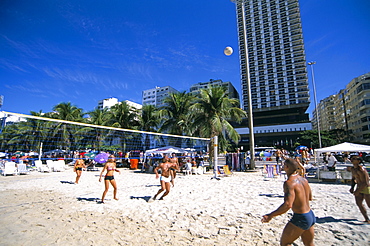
(124, 116)
(149, 121)
(67, 111)
(39, 130)
(95, 136)
(66, 133)
(175, 114)
(212, 112)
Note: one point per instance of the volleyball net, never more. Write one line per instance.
(52, 138)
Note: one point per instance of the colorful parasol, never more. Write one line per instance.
(101, 158)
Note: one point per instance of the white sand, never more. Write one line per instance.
(41, 209)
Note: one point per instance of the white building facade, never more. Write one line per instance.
(156, 96)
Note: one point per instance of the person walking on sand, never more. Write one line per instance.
(360, 177)
(79, 165)
(279, 160)
(173, 169)
(110, 167)
(165, 178)
(297, 194)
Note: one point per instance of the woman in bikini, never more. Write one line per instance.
(110, 167)
(79, 164)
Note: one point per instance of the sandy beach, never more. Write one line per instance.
(48, 209)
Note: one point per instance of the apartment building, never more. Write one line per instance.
(272, 55)
(230, 89)
(326, 114)
(107, 103)
(348, 110)
(156, 95)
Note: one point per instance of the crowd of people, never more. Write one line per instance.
(297, 192)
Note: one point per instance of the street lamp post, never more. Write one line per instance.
(250, 112)
(314, 95)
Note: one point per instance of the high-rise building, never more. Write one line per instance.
(348, 110)
(326, 113)
(156, 96)
(107, 103)
(230, 89)
(276, 63)
(134, 105)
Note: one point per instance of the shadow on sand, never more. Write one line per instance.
(152, 185)
(331, 219)
(67, 182)
(272, 195)
(146, 198)
(91, 199)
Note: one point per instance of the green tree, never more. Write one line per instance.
(95, 136)
(124, 116)
(328, 138)
(149, 121)
(212, 113)
(65, 133)
(175, 115)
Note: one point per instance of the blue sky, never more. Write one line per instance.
(83, 51)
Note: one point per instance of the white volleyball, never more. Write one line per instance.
(228, 51)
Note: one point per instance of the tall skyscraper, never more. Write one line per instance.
(276, 62)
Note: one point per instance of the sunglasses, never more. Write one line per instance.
(353, 159)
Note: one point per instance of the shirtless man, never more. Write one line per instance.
(360, 177)
(165, 176)
(175, 161)
(279, 156)
(297, 194)
(279, 160)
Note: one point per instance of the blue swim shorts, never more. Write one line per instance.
(303, 221)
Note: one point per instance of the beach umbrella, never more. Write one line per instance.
(301, 147)
(267, 154)
(101, 158)
(90, 155)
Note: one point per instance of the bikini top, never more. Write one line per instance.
(110, 169)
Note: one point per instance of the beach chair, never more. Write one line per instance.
(41, 167)
(10, 168)
(59, 166)
(63, 164)
(22, 169)
(227, 170)
(50, 164)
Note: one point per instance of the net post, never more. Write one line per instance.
(215, 153)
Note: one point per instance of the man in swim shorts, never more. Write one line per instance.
(360, 177)
(165, 176)
(174, 160)
(297, 194)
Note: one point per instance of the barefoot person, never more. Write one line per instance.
(175, 161)
(297, 194)
(79, 164)
(165, 176)
(360, 177)
(110, 167)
